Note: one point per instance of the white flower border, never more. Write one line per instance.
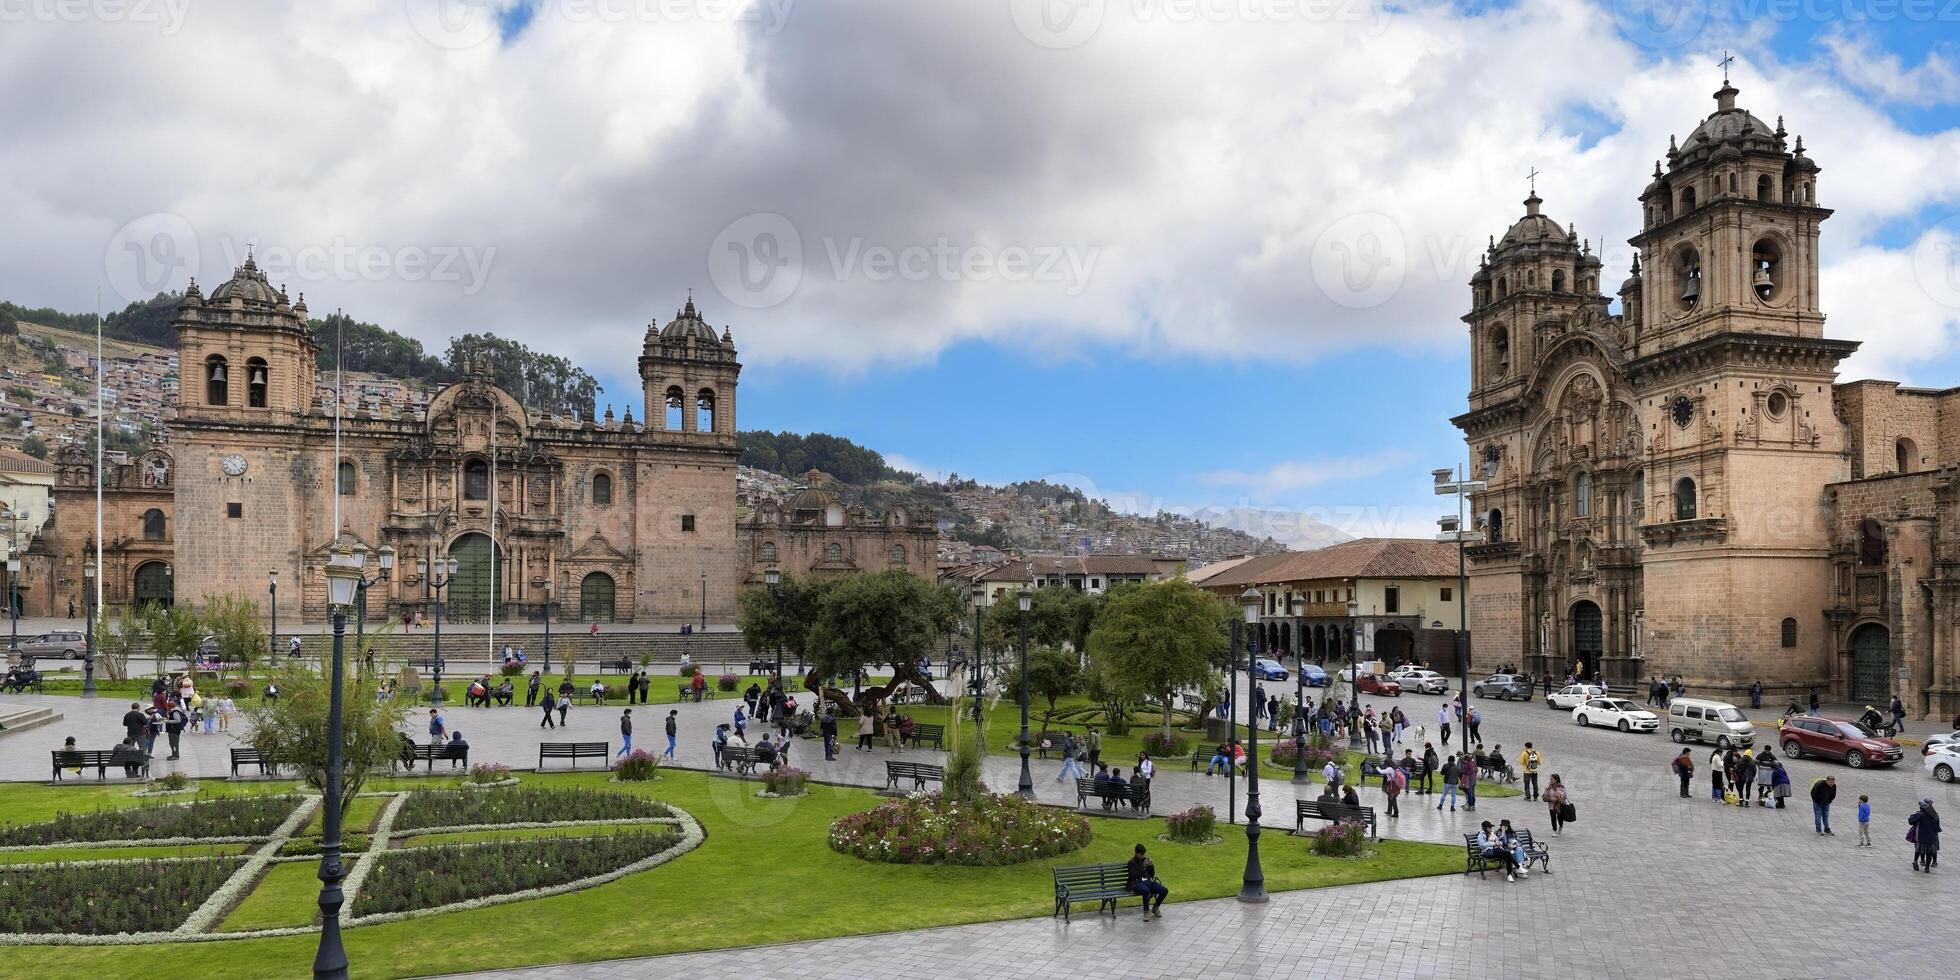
(384, 827)
(511, 781)
(186, 791)
(208, 915)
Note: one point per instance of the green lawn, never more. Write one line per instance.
(781, 842)
(288, 895)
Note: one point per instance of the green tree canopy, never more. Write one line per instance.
(234, 621)
(1053, 674)
(891, 618)
(1158, 638)
(781, 619)
(293, 729)
(175, 631)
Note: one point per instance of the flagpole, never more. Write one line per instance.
(101, 570)
(339, 352)
(496, 565)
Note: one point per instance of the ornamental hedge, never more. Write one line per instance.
(459, 808)
(429, 877)
(926, 828)
(226, 816)
(105, 899)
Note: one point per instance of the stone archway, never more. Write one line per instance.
(152, 585)
(1871, 663)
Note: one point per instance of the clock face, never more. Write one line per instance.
(233, 464)
(1683, 411)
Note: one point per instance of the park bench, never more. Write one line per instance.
(685, 692)
(738, 758)
(762, 666)
(1113, 795)
(618, 665)
(38, 685)
(1203, 756)
(909, 695)
(1332, 813)
(923, 733)
(1534, 852)
(1371, 766)
(1104, 884)
(98, 759)
(432, 752)
(918, 772)
(573, 751)
(245, 755)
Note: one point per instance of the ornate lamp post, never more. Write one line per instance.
(774, 579)
(10, 525)
(547, 627)
(438, 576)
(1299, 608)
(1253, 888)
(1452, 528)
(1354, 678)
(88, 628)
(343, 586)
(272, 603)
(387, 560)
(979, 680)
(1025, 600)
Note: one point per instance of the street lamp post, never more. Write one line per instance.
(547, 627)
(774, 580)
(973, 662)
(1025, 599)
(272, 603)
(704, 608)
(1453, 530)
(88, 628)
(343, 586)
(1232, 724)
(387, 561)
(438, 576)
(1253, 888)
(10, 524)
(1299, 608)
(1354, 679)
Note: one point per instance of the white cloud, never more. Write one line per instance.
(1904, 306)
(1285, 477)
(1872, 69)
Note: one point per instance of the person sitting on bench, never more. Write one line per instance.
(405, 753)
(1221, 759)
(598, 692)
(1494, 849)
(455, 749)
(128, 755)
(1511, 841)
(1349, 797)
(20, 678)
(506, 693)
(1142, 878)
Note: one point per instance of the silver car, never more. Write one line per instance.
(56, 643)
(1507, 687)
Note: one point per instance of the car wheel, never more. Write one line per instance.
(1677, 734)
(1722, 742)
(1624, 727)
(1855, 759)
(1943, 773)
(1793, 749)
(1583, 723)
(1549, 704)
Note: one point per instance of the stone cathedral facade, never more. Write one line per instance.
(1682, 487)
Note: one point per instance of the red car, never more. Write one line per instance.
(1837, 738)
(1377, 684)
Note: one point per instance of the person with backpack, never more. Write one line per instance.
(1528, 761)
(1450, 773)
(1393, 782)
(1475, 719)
(1684, 770)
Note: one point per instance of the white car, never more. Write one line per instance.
(1571, 697)
(1420, 680)
(1933, 742)
(1616, 713)
(1944, 761)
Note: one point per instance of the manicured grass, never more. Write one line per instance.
(783, 842)
(47, 855)
(286, 895)
(358, 819)
(521, 833)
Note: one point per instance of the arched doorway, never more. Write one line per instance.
(152, 584)
(1588, 635)
(1871, 663)
(595, 598)
(475, 581)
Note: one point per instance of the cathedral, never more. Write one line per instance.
(1682, 487)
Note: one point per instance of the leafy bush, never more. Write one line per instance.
(459, 808)
(926, 828)
(489, 772)
(174, 780)
(688, 670)
(427, 877)
(637, 767)
(310, 845)
(237, 686)
(104, 899)
(512, 669)
(1193, 826)
(1345, 838)
(1318, 755)
(225, 816)
(727, 682)
(785, 781)
(1164, 745)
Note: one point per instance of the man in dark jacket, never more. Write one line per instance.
(625, 731)
(531, 690)
(135, 723)
(1822, 793)
(673, 730)
(829, 731)
(173, 725)
(1141, 875)
(1429, 762)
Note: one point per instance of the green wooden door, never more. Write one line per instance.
(595, 600)
(153, 586)
(476, 579)
(1871, 663)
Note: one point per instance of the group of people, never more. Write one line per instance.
(20, 677)
(1734, 773)
(1114, 789)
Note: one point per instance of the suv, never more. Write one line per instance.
(1836, 738)
(58, 643)
(1508, 687)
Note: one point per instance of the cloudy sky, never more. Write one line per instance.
(1184, 253)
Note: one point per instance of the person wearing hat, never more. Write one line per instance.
(1684, 770)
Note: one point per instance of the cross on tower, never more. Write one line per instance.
(1533, 178)
(1727, 60)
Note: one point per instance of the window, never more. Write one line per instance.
(676, 410)
(255, 382)
(1789, 632)
(1500, 342)
(687, 523)
(1391, 600)
(1904, 455)
(1494, 525)
(898, 554)
(769, 552)
(1765, 189)
(833, 552)
(1684, 500)
(153, 525)
(476, 480)
(1778, 404)
(1446, 594)
(1582, 495)
(704, 411)
(1558, 281)
(602, 489)
(234, 510)
(346, 478)
(217, 383)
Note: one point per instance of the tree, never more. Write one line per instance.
(892, 618)
(35, 446)
(9, 327)
(234, 621)
(1053, 674)
(116, 641)
(293, 728)
(175, 631)
(1159, 638)
(781, 619)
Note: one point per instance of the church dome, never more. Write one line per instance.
(810, 499)
(248, 283)
(1728, 131)
(1534, 226)
(688, 325)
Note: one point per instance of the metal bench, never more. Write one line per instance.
(245, 755)
(1104, 884)
(430, 753)
(740, 759)
(1534, 852)
(1332, 813)
(98, 759)
(573, 751)
(919, 773)
(923, 733)
(1112, 795)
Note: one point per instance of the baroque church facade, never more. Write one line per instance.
(1683, 487)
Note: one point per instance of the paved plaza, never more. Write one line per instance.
(1645, 883)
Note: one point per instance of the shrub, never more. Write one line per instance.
(512, 669)
(1317, 755)
(489, 772)
(237, 687)
(458, 808)
(427, 877)
(1192, 826)
(727, 682)
(226, 816)
(174, 781)
(1164, 745)
(310, 846)
(987, 830)
(1345, 838)
(637, 767)
(785, 781)
(104, 899)
(688, 670)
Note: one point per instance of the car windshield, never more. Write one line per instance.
(1730, 714)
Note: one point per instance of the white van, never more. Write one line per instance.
(1709, 721)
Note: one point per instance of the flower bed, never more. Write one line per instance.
(638, 767)
(727, 682)
(428, 877)
(309, 846)
(1193, 826)
(1346, 838)
(1165, 746)
(490, 772)
(458, 808)
(108, 897)
(1318, 755)
(226, 816)
(785, 781)
(926, 828)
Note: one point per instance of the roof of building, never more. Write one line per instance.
(18, 462)
(688, 324)
(1357, 559)
(1202, 576)
(248, 283)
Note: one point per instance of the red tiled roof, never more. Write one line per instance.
(1361, 558)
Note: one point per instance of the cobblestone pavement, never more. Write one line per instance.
(1646, 883)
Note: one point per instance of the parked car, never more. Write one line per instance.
(1508, 687)
(1267, 669)
(1836, 738)
(1574, 696)
(1943, 761)
(1935, 741)
(1709, 721)
(1616, 713)
(1420, 680)
(1379, 684)
(1315, 677)
(55, 643)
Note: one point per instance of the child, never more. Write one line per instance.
(1864, 820)
(225, 710)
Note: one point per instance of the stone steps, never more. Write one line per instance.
(15, 721)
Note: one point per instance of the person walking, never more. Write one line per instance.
(1898, 715)
(437, 727)
(1429, 762)
(1450, 773)
(867, 726)
(550, 705)
(1092, 742)
(1443, 719)
(1822, 793)
(564, 702)
(1393, 782)
(1069, 751)
(1864, 820)
(1924, 833)
(173, 725)
(828, 729)
(1528, 762)
(1813, 700)
(1467, 774)
(1475, 719)
(625, 729)
(1756, 695)
(1555, 800)
(894, 740)
(1684, 770)
(673, 729)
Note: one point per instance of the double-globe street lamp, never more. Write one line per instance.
(1253, 887)
(1025, 600)
(438, 576)
(343, 587)
(1453, 530)
(1298, 607)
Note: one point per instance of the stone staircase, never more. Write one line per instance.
(16, 720)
